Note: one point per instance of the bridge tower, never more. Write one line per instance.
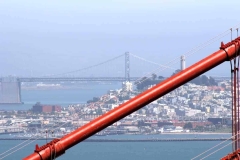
(10, 92)
(127, 67)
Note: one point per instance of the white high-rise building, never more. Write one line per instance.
(127, 86)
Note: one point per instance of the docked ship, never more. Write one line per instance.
(172, 129)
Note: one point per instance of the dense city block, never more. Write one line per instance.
(204, 105)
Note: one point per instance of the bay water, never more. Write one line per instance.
(183, 150)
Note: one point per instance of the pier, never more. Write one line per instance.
(131, 140)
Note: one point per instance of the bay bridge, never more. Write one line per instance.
(110, 72)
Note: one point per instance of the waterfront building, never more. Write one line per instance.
(39, 108)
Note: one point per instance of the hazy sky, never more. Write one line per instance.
(56, 36)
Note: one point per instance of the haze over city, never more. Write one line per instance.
(50, 37)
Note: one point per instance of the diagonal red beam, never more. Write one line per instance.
(66, 142)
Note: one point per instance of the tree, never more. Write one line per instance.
(123, 97)
(223, 85)
(204, 80)
(154, 76)
(176, 71)
(160, 77)
(99, 111)
(188, 125)
(212, 82)
(89, 101)
(95, 99)
(145, 82)
(199, 128)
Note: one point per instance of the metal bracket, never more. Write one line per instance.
(52, 143)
